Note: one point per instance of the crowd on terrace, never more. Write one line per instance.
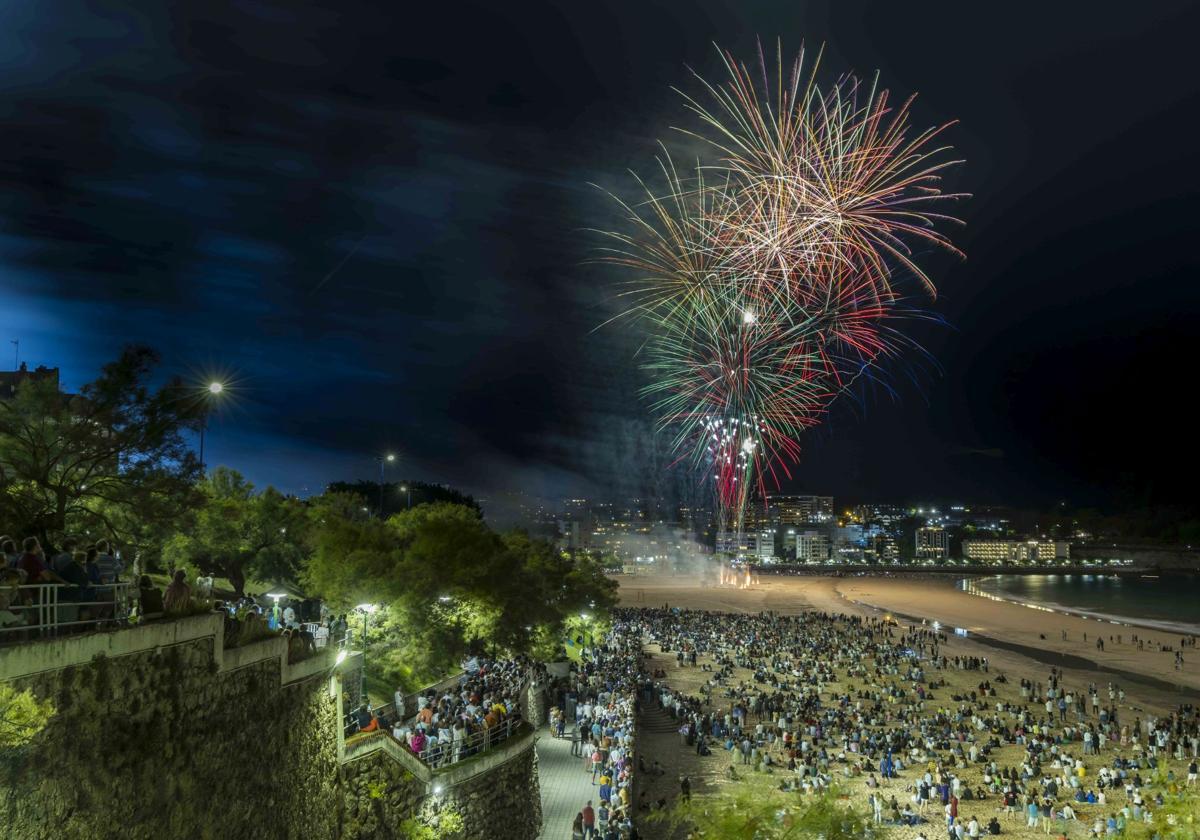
(445, 726)
(85, 578)
(933, 739)
(81, 586)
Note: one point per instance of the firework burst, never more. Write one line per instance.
(771, 274)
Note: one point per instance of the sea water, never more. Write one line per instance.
(1168, 601)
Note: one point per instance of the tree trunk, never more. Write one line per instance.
(237, 579)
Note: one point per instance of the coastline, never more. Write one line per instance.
(1017, 640)
(967, 585)
(1048, 657)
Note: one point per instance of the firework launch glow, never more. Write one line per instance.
(773, 272)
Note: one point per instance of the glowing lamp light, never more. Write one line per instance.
(215, 388)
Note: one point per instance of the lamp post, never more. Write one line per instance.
(366, 610)
(214, 389)
(408, 492)
(383, 461)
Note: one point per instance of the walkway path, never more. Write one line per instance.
(566, 787)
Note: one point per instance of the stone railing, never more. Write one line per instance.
(43, 655)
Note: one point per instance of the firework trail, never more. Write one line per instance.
(771, 274)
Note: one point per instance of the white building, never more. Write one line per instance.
(812, 547)
(933, 543)
(758, 546)
(1016, 551)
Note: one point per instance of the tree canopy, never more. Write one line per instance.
(399, 496)
(450, 585)
(110, 461)
(237, 531)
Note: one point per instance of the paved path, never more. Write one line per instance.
(565, 785)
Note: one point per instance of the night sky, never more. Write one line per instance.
(372, 219)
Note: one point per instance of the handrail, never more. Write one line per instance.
(364, 744)
(47, 608)
(442, 754)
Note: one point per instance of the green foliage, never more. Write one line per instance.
(22, 716)
(1178, 818)
(397, 500)
(237, 531)
(111, 461)
(450, 586)
(443, 823)
(755, 810)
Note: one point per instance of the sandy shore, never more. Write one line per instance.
(938, 600)
(928, 599)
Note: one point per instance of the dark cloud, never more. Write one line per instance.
(374, 217)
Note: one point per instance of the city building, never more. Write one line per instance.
(1016, 551)
(813, 546)
(10, 380)
(933, 543)
(757, 546)
(799, 510)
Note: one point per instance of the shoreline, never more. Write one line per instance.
(965, 585)
(1049, 657)
(1018, 640)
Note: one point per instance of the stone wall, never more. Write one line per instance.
(185, 740)
(536, 708)
(157, 744)
(505, 803)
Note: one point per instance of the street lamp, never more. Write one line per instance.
(214, 389)
(408, 492)
(366, 610)
(383, 461)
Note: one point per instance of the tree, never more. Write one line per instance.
(450, 586)
(395, 500)
(21, 716)
(237, 531)
(111, 461)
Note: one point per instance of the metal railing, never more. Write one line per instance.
(452, 752)
(38, 610)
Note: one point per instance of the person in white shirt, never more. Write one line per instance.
(398, 702)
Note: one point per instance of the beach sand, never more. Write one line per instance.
(930, 599)
(936, 599)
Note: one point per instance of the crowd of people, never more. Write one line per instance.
(932, 739)
(85, 574)
(445, 726)
(602, 696)
(88, 594)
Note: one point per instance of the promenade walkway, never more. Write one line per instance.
(565, 785)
